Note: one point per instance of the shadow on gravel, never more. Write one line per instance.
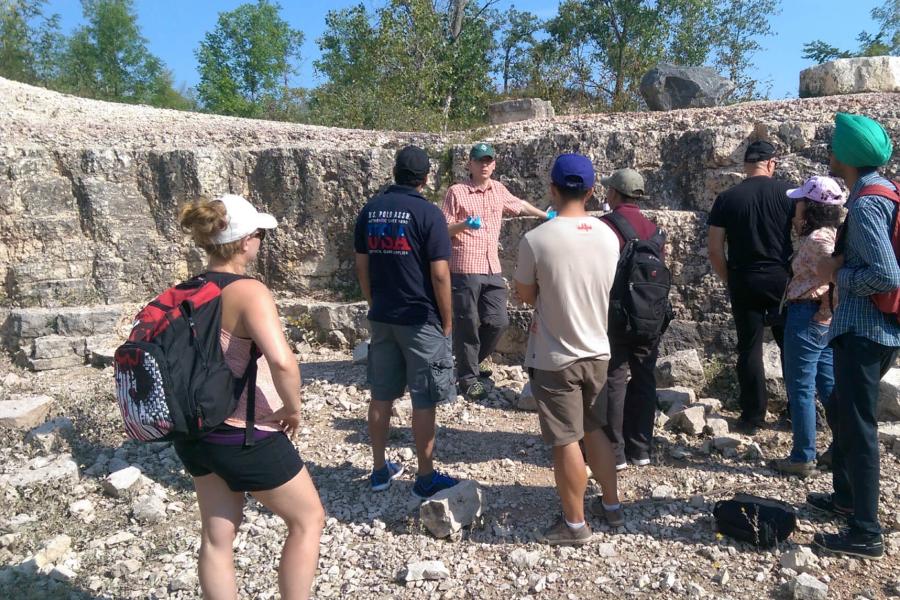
(333, 371)
(459, 445)
(20, 585)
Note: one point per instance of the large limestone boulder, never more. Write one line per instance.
(667, 87)
(851, 76)
(522, 109)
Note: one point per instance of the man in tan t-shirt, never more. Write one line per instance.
(566, 269)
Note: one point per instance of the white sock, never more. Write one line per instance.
(615, 506)
(574, 525)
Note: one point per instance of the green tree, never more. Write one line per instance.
(516, 47)
(598, 50)
(246, 62)
(407, 65)
(108, 59)
(740, 25)
(30, 42)
(885, 42)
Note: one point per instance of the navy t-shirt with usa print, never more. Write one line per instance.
(403, 233)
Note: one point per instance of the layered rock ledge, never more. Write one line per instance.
(89, 190)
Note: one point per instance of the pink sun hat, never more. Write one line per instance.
(823, 190)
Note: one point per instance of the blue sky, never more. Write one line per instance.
(174, 28)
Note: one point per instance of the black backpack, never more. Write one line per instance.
(639, 308)
(762, 522)
(172, 382)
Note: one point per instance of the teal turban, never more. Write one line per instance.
(859, 141)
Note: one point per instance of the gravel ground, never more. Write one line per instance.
(144, 543)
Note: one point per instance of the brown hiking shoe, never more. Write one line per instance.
(560, 534)
(615, 518)
(789, 467)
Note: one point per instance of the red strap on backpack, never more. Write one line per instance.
(888, 302)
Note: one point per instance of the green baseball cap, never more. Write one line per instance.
(626, 181)
(480, 150)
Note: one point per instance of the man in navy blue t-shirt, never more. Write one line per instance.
(402, 261)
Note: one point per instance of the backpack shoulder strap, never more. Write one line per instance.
(883, 191)
(249, 380)
(222, 279)
(621, 225)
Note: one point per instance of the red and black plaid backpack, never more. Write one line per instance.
(172, 382)
(887, 302)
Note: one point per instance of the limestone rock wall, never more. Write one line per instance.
(89, 190)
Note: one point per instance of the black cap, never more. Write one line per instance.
(411, 164)
(758, 151)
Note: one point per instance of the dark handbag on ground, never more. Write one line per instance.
(762, 522)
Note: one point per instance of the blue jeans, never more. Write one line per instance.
(808, 367)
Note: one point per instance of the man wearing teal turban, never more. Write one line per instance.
(860, 142)
(865, 340)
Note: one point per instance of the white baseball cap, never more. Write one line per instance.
(243, 219)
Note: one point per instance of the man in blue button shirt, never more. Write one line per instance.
(865, 340)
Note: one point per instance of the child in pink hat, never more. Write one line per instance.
(808, 362)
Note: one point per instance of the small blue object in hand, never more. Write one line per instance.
(550, 214)
(473, 222)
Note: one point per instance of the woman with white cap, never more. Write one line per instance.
(223, 467)
(808, 362)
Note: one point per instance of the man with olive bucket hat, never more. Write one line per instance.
(865, 340)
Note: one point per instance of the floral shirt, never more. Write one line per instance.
(805, 284)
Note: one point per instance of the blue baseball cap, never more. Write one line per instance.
(573, 172)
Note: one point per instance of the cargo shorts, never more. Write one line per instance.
(569, 401)
(417, 357)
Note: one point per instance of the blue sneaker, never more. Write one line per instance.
(381, 479)
(429, 485)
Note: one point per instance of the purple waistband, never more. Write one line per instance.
(234, 436)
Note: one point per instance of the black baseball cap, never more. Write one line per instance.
(411, 164)
(758, 151)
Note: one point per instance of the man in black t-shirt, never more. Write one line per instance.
(402, 261)
(754, 218)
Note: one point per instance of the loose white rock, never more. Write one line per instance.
(671, 398)
(691, 420)
(716, 427)
(48, 436)
(124, 480)
(807, 587)
(425, 570)
(361, 353)
(148, 508)
(522, 559)
(801, 560)
(82, 509)
(452, 509)
(526, 399)
(24, 412)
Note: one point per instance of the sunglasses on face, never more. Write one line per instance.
(259, 233)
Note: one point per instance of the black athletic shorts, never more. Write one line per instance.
(269, 463)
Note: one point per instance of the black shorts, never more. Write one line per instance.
(269, 463)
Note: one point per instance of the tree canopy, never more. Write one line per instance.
(246, 62)
(884, 42)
